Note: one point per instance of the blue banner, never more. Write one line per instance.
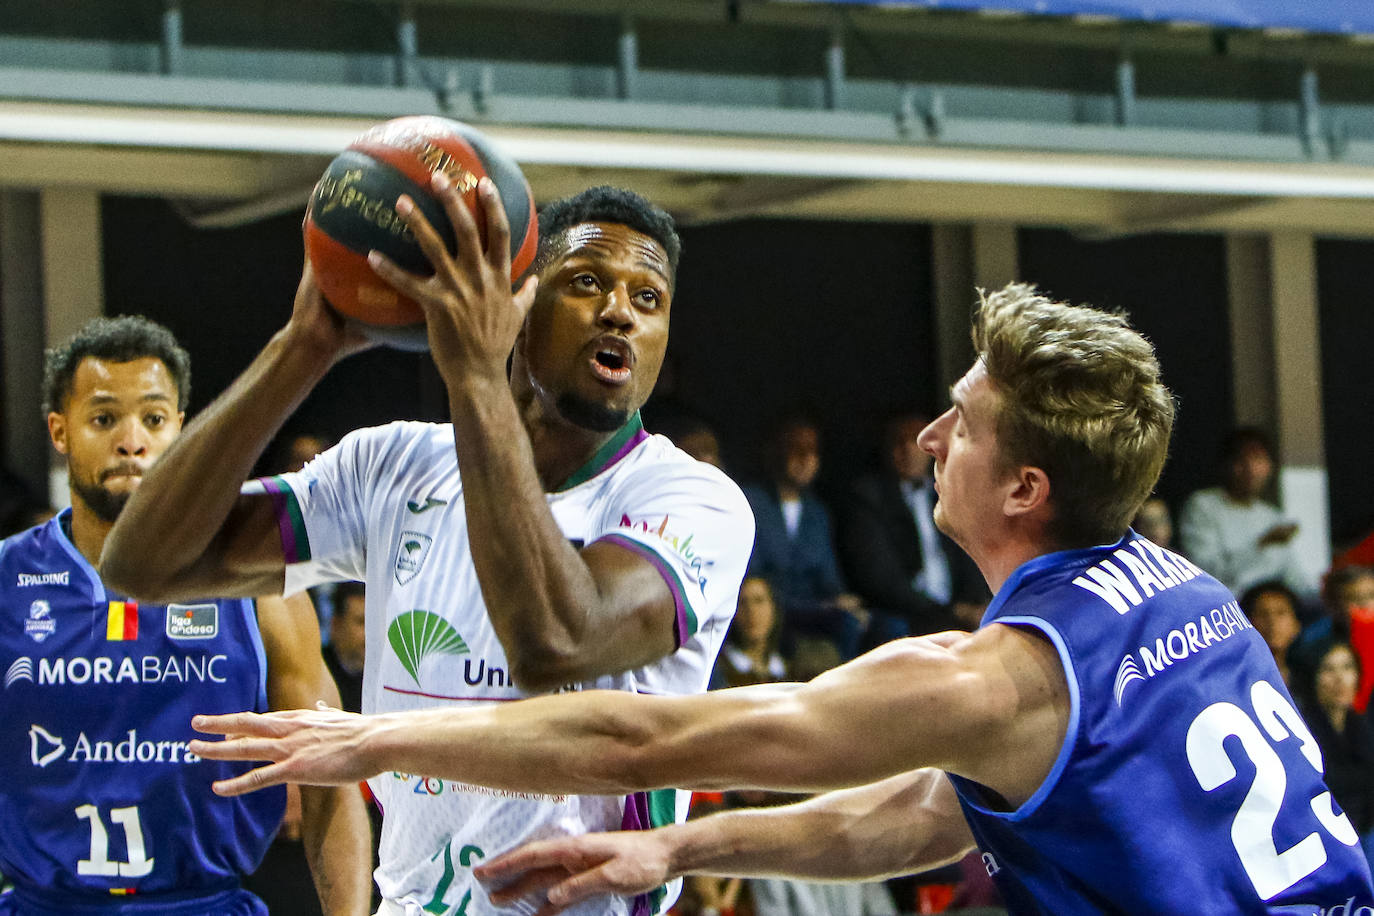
(1338, 16)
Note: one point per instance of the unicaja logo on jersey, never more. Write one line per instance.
(40, 624)
(416, 635)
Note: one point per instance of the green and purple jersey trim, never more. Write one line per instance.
(620, 445)
(687, 622)
(645, 811)
(295, 542)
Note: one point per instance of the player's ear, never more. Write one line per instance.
(1030, 493)
(57, 431)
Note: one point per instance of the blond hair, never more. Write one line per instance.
(1082, 400)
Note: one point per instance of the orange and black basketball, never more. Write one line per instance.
(353, 210)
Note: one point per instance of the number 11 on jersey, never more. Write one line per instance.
(99, 863)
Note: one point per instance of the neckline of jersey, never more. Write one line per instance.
(616, 448)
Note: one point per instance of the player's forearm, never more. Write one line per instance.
(904, 824)
(338, 846)
(184, 500)
(602, 742)
(539, 593)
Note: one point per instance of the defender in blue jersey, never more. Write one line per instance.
(1114, 737)
(105, 808)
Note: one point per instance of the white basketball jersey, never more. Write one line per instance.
(386, 506)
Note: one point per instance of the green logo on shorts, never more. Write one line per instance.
(416, 635)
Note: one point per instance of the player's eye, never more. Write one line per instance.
(154, 420)
(102, 420)
(585, 281)
(649, 298)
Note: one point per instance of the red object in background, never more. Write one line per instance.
(1362, 641)
(934, 898)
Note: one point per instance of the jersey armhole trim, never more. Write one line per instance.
(295, 539)
(686, 623)
(1070, 732)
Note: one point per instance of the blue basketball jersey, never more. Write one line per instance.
(102, 805)
(1187, 782)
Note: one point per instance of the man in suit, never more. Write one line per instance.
(898, 562)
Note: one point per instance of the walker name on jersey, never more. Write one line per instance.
(150, 669)
(46, 748)
(694, 562)
(1136, 572)
(29, 580)
(1180, 643)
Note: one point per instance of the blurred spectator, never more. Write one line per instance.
(347, 644)
(1273, 609)
(750, 654)
(793, 547)
(1349, 597)
(694, 436)
(1232, 531)
(901, 565)
(1154, 523)
(1343, 734)
(299, 449)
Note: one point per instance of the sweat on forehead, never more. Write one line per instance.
(606, 205)
(598, 237)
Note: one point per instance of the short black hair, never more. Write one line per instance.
(1269, 587)
(120, 340)
(606, 204)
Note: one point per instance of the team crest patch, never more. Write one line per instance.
(40, 624)
(410, 555)
(192, 621)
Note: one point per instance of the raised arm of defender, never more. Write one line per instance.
(992, 706)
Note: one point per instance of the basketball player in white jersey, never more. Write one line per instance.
(573, 550)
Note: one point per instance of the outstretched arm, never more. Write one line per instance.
(186, 531)
(334, 824)
(907, 823)
(992, 706)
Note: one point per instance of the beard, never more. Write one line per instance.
(599, 418)
(105, 504)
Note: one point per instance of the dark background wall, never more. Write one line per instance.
(1173, 287)
(1347, 331)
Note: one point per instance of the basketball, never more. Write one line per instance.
(352, 211)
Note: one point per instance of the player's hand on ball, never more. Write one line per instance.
(318, 747)
(318, 326)
(573, 869)
(470, 313)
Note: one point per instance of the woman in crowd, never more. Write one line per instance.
(1344, 736)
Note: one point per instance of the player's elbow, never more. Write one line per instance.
(129, 571)
(542, 668)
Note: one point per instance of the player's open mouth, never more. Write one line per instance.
(611, 361)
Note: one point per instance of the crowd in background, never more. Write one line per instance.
(832, 578)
